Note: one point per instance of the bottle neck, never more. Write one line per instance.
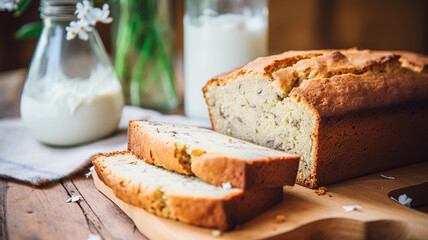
(52, 22)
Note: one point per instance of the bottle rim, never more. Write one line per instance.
(58, 10)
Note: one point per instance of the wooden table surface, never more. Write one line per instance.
(27, 212)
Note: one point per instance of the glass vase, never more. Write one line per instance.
(144, 53)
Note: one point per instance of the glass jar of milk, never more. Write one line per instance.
(219, 35)
(71, 95)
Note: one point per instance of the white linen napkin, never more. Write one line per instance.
(25, 159)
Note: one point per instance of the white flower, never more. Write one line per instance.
(74, 198)
(387, 177)
(98, 15)
(88, 16)
(82, 9)
(226, 186)
(352, 208)
(403, 200)
(10, 5)
(91, 169)
(80, 28)
(93, 15)
(104, 18)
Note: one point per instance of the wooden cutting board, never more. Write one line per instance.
(309, 216)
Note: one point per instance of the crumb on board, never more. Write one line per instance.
(216, 233)
(280, 218)
(321, 191)
(330, 195)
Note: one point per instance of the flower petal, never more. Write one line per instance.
(70, 35)
(83, 35)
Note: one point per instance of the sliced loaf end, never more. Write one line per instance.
(284, 101)
(211, 156)
(179, 197)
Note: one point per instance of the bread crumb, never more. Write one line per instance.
(330, 195)
(216, 233)
(280, 218)
(133, 163)
(321, 191)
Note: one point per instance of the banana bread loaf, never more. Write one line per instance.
(180, 197)
(215, 158)
(345, 112)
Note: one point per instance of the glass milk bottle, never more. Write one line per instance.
(219, 35)
(71, 95)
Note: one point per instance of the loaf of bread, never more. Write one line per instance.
(345, 112)
(180, 197)
(215, 158)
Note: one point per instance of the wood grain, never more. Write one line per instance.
(43, 214)
(107, 218)
(3, 217)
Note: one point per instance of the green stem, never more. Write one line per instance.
(139, 67)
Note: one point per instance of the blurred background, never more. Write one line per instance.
(303, 24)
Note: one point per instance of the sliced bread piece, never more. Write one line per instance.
(211, 156)
(180, 197)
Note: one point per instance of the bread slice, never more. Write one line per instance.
(180, 197)
(211, 156)
(345, 112)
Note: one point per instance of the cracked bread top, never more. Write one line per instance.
(339, 81)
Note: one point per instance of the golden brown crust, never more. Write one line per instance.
(214, 213)
(212, 168)
(332, 96)
(265, 65)
(416, 62)
(227, 213)
(368, 141)
(335, 63)
(324, 63)
(264, 173)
